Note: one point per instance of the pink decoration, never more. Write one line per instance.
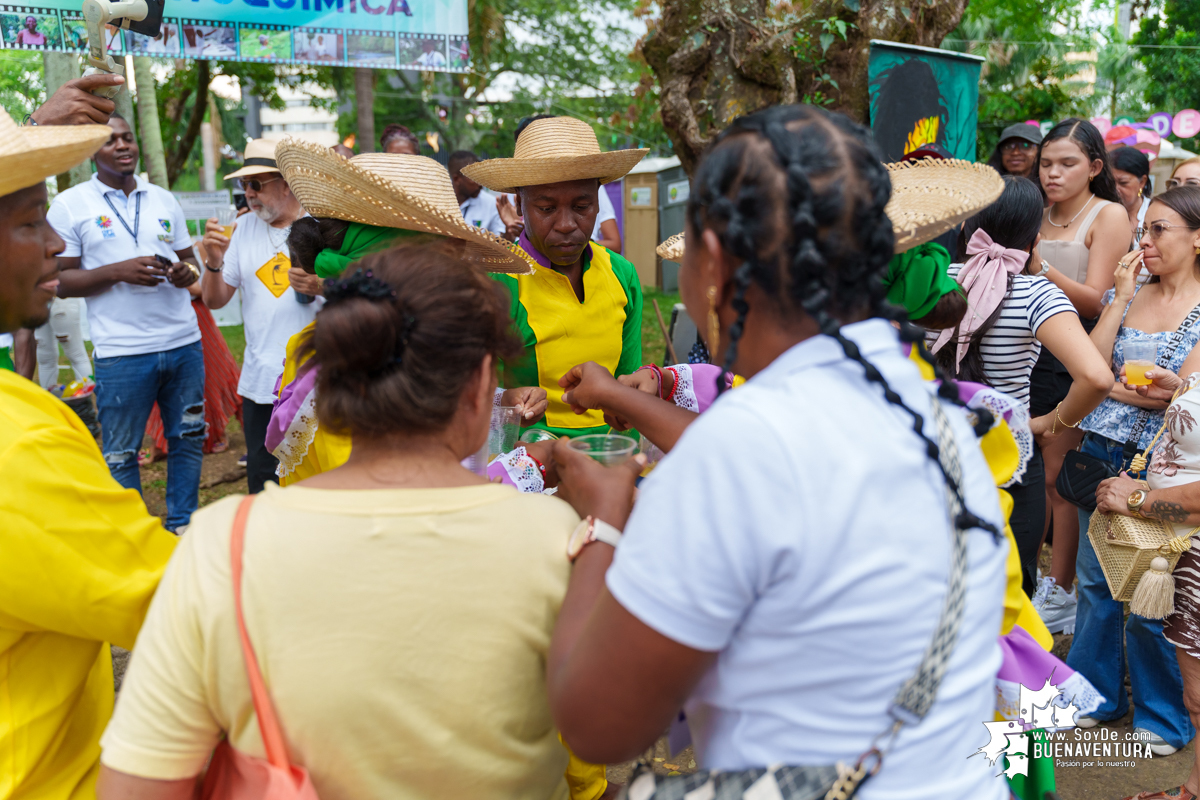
(1186, 123)
(1102, 124)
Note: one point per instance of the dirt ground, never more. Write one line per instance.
(219, 476)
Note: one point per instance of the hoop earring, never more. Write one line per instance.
(714, 322)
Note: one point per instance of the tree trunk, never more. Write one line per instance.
(60, 68)
(179, 156)
(148, 128)
(364, 99)
(717, 60)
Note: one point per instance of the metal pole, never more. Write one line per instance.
(253, 109)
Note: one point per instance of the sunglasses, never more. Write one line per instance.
(1013, 145)
(254, 184)
(1157, 229)
(1175, 183)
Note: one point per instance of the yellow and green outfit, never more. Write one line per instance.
(560, 331)
(83, 559)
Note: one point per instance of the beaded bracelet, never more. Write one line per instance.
(657, 374)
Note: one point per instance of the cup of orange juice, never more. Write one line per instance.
(1140, 355)
(225, 218)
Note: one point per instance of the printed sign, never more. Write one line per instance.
(640, 196)
(678, 192)
(921, 96)
(427, 35)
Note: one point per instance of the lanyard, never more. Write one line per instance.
(137, 214)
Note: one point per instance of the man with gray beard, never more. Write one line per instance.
(277, 301)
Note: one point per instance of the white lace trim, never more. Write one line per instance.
(299, 436)
(1002, 405)
(522, 471)
(684, 393)
(498, 397)
(1079, 690)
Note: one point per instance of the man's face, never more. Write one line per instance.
(272, 200)
(119, 156)
(464, 187)
(560, 217)
(28, 260)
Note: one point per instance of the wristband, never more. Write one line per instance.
(210, 269)
(541, 467)
(659, 375)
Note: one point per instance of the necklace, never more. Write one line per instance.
(278, 245)
(1050, 216)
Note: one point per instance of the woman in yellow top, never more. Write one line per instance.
(81, 554)
(400, 606)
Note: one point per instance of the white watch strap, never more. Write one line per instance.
(603, 532)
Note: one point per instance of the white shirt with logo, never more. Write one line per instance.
(257, 263)
(98, 224)
(481, 212)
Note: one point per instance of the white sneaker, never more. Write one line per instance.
(1084, 721)
(1158, 745)
(1055, 606)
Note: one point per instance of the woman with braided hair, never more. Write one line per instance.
(786, 564)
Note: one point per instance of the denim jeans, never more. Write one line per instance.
(1104, 637)
(126, 389)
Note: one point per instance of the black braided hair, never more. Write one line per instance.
(797, 194)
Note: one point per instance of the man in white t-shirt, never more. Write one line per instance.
(478, 207)
(128, 251)
(256, 260)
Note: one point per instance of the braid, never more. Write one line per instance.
(804, 213)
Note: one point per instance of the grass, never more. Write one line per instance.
(654, 344)
(235, 338)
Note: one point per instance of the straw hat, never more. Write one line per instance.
(391, 191)
(932, 196)
(30, 154)
(552, 151)
(929, 197)
(260, 158)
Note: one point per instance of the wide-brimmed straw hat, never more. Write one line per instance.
(554, 150)
(929, 197)
(260, 158)
(30, 154)
(391, 190)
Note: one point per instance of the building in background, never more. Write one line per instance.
(299, 116)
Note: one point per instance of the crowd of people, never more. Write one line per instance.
(828, 579)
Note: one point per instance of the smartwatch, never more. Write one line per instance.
(591, 530)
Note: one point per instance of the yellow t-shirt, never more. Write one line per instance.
(81, 559)
(402, 634)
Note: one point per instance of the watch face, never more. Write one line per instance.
(579, 537)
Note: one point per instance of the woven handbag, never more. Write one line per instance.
(909, 707)
(1136, 552)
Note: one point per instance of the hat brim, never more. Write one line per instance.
(929, 197)
(51, 150)
(328, 185)
(509, 174)
(932, 196)
(255, 170)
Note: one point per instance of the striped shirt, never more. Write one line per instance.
(1011, 348)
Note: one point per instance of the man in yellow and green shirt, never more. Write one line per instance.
(582, 302)
(81, 555)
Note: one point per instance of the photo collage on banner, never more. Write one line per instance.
(425, 35)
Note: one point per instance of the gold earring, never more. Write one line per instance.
(714, 323)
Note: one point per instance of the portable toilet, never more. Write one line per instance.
(642, 204)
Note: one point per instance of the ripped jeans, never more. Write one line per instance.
(126, 389)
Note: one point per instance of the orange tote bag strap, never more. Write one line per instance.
(268, 723)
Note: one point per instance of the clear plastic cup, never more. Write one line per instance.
(225, 218)
(609, 449)
(533, 435)
(506, 426)
(1140, 355)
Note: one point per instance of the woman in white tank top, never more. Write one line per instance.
(1085, 230)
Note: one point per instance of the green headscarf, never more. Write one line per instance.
(917, 279)
(360, 240)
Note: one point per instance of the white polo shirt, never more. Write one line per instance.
(257, 262)
(98, 224)
(606, 213)
(481, 212)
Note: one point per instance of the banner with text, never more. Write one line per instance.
(393, 34)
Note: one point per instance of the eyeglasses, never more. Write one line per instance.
(1175, 183)
(1012, 145)
(253, 184)
(1157, 229)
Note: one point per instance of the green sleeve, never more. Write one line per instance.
(523, 370)
(631, 336)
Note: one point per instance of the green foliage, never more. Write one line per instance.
(22, 88)
(1025, 75)
(812, 55)
(1172, 76)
